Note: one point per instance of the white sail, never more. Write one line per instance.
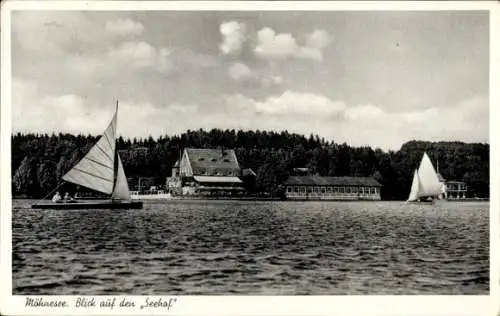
(414, 187)
(121, 190)
(428, 178)
(96, 169)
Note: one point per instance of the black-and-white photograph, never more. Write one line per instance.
(214, 152)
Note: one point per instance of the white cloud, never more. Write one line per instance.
(74, 36)
(36, 112)
(72, 55)
(55, 32)
(234, 37)
(124, 27)
(281, 46)
(363, 124)
(125, 58)
(140, 55)
(364, 113)
(49, 33)
(239, 71)
(263, 76)
(467, 121)
(291, 103)
(275, 46)
(318, 39)
(33, 111)
(272, 80)
(293, 111)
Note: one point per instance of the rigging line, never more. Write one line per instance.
(91, 174)
(102, 150)
(116, 165)
(107, 138)
(57, 187)
(97, 162)
(87, 184)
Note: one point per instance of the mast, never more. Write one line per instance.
(121, 190)
(115, 166)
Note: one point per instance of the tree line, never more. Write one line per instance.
(40, 160)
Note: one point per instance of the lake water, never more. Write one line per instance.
(254, 248)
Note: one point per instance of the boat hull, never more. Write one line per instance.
(89, 205)
(151, 197)
(421, 202)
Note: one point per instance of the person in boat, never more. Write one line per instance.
(68, 198)
(56, 198)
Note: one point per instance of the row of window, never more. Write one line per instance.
(208, 172)
(332, 189)
(456, 187)
(214, 159)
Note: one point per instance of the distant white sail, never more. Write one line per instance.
(414, 187)
(425, 181)
(428, 178)
(121, 190)
(96, 169)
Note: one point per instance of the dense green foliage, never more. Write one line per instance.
(39, 161)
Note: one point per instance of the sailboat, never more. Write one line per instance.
(101, 169)
(426, 186)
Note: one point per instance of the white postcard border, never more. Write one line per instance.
(255, 305)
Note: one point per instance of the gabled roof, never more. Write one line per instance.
(202, 158)
(248, 172)
(344, 181)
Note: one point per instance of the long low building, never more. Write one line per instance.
(332, 188)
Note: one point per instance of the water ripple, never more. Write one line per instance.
(258, 248)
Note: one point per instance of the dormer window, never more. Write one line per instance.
(201, 159)
(214, 160)
(226, 160)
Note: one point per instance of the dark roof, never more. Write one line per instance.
(248, 172)
(212, 158)
(346, 181)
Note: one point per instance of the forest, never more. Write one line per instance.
(40, 160)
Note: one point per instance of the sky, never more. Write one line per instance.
(365, 78)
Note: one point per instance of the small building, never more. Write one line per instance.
(207, 172)
(332, 188)
(456, 190)
(301, 171)
(174, 183)
(453, 190)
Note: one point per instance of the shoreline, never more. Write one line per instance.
(275, 199)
